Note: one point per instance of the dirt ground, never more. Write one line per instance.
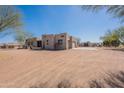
(27, 68)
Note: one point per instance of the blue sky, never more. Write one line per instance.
(71, 19)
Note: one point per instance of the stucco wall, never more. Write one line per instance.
(72, 42)
(50, 39)
(64, 38)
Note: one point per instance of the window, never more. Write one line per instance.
(47, 42)
(62, 35)
(34, 44)
(60, 41)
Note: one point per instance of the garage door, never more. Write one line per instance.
(73, 45)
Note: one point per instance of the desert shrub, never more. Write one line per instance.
(96, 84)
(64, 84)
(40, 85)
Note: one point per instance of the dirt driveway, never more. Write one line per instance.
(27, 68)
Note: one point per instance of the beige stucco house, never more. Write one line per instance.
(52, 42)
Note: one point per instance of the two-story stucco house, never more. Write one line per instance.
(52, 42)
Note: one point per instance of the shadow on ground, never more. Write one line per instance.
(61, 84)
(112, 80)
(46, 50)
(116, 49)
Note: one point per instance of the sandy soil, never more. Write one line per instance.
(27, 68)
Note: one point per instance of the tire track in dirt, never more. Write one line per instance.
(36, 70)
(27, 68)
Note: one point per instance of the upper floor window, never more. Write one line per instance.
(62, 35)
(60, 41)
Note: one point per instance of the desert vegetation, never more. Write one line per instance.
(113, 37)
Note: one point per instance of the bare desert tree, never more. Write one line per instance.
(117, 11)
(9, 18)
(21, 36)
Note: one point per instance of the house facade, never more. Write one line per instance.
(52, 42)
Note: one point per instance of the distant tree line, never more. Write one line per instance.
(114, 37)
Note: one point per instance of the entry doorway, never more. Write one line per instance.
(39, 43)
